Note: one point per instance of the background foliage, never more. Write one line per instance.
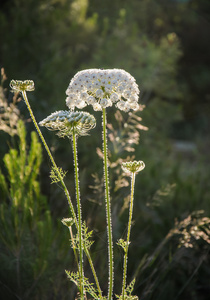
(165, 45)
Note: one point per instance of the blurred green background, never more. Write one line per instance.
(165, 45)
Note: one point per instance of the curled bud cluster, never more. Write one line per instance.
(133, 166)
(68, 123)
(103, 88)
(21, 86)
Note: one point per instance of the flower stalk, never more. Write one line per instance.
(68, 222)
(132, 168)
(79, 214)
(125, 262)
(108, 210)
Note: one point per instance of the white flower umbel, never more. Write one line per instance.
(103, 88)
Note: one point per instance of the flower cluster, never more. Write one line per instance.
(21, 86)
(103, 88)
(133, 166)
(67, 221)
(68, 123)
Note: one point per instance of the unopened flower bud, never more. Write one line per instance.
(21, 86)
(67, 221)
(133, 166)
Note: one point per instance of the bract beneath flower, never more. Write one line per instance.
(103, 88)
(68, 123)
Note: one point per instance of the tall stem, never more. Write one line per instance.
(108, 209)
(79, 214)
(128, 235)
(63, 185)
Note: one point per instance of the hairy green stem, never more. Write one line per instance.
(128, 235)
(108, 210)
(94, 274)
(73, 246)
(79, 214)
(63, 185)
(79, 211)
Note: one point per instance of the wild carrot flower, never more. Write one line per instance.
(68, 123)
(103, 88)
(73, 124)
